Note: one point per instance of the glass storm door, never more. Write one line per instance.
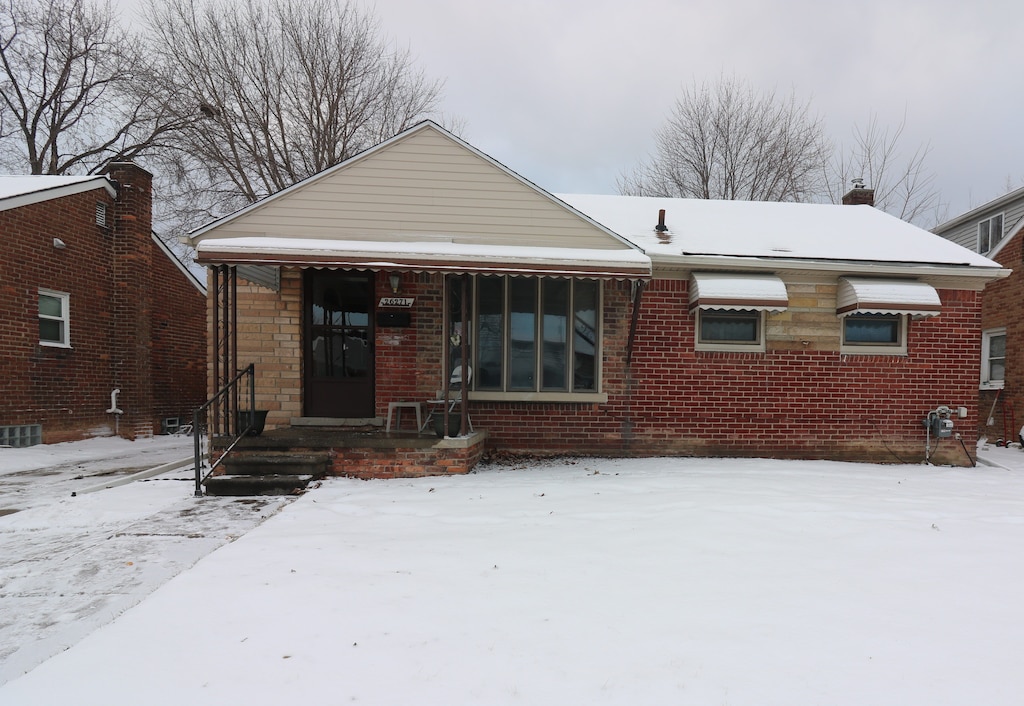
(338, 344)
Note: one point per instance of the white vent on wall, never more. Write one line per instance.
(101, 215)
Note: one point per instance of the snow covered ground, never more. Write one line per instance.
(69, 565)
(652, 581)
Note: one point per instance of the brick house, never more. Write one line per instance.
(994, 230)
(94, 303)
(595, 324)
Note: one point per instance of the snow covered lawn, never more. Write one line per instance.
(656, 581)
(71, 564)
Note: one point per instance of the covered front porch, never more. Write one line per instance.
(419, 270)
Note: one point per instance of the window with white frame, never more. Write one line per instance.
(54, 319)
(726, 329)
(993, 358)
(528, 334)
(875, 333)
(990, 232)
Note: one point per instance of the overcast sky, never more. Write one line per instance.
(569, 92)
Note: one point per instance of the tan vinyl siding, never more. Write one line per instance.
(424, 186)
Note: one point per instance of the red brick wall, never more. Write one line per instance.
(1001, 307)
(179, 342)
(64, 389)
(118, 284)
(794, 400)
(786, 402)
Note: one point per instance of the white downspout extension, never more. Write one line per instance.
(114, 409)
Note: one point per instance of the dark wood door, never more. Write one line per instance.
(338, 344)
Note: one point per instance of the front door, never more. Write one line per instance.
(338, 344)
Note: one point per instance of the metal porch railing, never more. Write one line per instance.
(220, 417)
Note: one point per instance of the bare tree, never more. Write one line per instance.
(75, 89)
(725, 141)
(275, 91)
(903, 186)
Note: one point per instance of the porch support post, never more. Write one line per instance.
(464, 405)
(225, 345)
(446, 328)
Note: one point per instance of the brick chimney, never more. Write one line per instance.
(132, 259)
(859, 195)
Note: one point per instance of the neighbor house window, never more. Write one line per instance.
(54, 320)
(875, 333)
(528, 335)
(993, 358)
(722, 328)
(990, 232)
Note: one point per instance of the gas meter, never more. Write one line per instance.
(939, 423)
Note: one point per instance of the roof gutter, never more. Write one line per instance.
(692, 262)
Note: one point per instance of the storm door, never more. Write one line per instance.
(338, 344)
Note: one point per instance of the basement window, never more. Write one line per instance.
(20, 436)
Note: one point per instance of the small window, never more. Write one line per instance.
(54, 319)
(875, 333)
(990, 232)
(723, 329)
(101, 215)
(993, 358)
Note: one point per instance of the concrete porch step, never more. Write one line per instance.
(268, 472)
(245, 485)
(269, 462)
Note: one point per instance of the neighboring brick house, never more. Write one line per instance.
(994, 229)
(93, 302)
(600, 324)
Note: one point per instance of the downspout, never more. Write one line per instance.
(627, 423)
(638, 292)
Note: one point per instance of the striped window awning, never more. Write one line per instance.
(716, 290)
(886, 296)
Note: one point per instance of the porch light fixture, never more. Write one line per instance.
(394, 279)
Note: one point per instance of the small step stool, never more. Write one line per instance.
(398, 406)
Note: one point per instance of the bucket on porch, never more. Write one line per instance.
(454, 421)
(258, 418)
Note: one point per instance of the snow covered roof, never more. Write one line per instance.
(762, 229)
(22, 190)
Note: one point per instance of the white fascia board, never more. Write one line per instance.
(55, 192)
(761, 264)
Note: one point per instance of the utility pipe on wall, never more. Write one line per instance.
(115, 410)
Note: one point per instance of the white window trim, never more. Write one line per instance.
(986, 341)
(65, 320)
(899, 348)
(756, 347)
(1002, 225)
